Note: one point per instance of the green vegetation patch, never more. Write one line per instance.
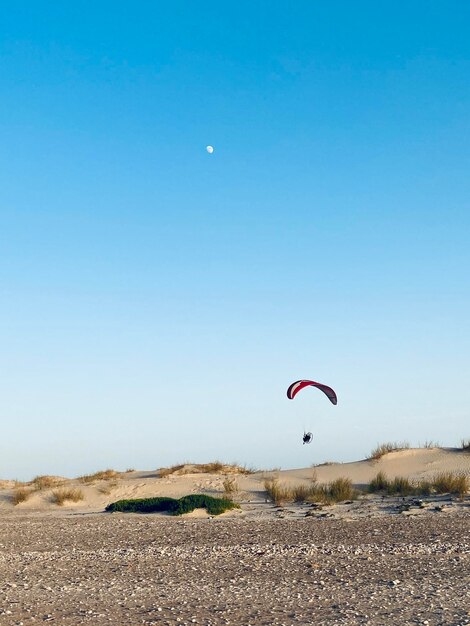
(186, 504)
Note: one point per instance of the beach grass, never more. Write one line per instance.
(338, 490)
(61, 496)
(46, 482)
(444, 482)
(20, 494)
(213, 467)
(385, 448)
(231, 487)
(106, 474)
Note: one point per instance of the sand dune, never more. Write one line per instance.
(418, 463)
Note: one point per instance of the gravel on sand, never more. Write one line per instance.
(134, 569)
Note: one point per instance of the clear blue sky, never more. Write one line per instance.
(156, 301)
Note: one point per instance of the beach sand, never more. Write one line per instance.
(372, 561)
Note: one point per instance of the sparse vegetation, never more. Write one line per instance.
(341, 489)
(384, 448)
(186, 504)
(101, 475)
(215, 467)
(337, 491)
(230, 485)
(300, 493)
(431, 444)
(277, 492)
(379, 483)
(449, 482)
(20, 494)
(163, 472)
(403, 487)
(60, 496)
(465, 445)
(211, 468)
(46, 482)
(446, 482)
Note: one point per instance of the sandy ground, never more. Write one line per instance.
(130, 569)
(372, 561)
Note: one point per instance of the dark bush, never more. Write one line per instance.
(186, 504)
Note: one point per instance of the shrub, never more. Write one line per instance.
(20, 495)
(465, 444)
(186, 504)
(385, 448)
(46, 482)
(214, 506)
(143, 505)
(62, 495)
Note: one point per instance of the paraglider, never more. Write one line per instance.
(307, 438)
(294, 389)
(210, 149)
(298, 385)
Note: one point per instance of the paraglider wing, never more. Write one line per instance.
(294, 389)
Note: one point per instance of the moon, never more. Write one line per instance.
(210, 149)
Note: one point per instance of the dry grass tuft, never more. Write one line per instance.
(163, 472)
(445, 482)
(215, 467)
(300, 493)
(46, 482)
(101, 475)
(429, 443)
(337, 491)
(277, 492)
(20, 494)
(60, 496)
(379, 483)
(384, 448)
(449, 482)
(231, 487)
